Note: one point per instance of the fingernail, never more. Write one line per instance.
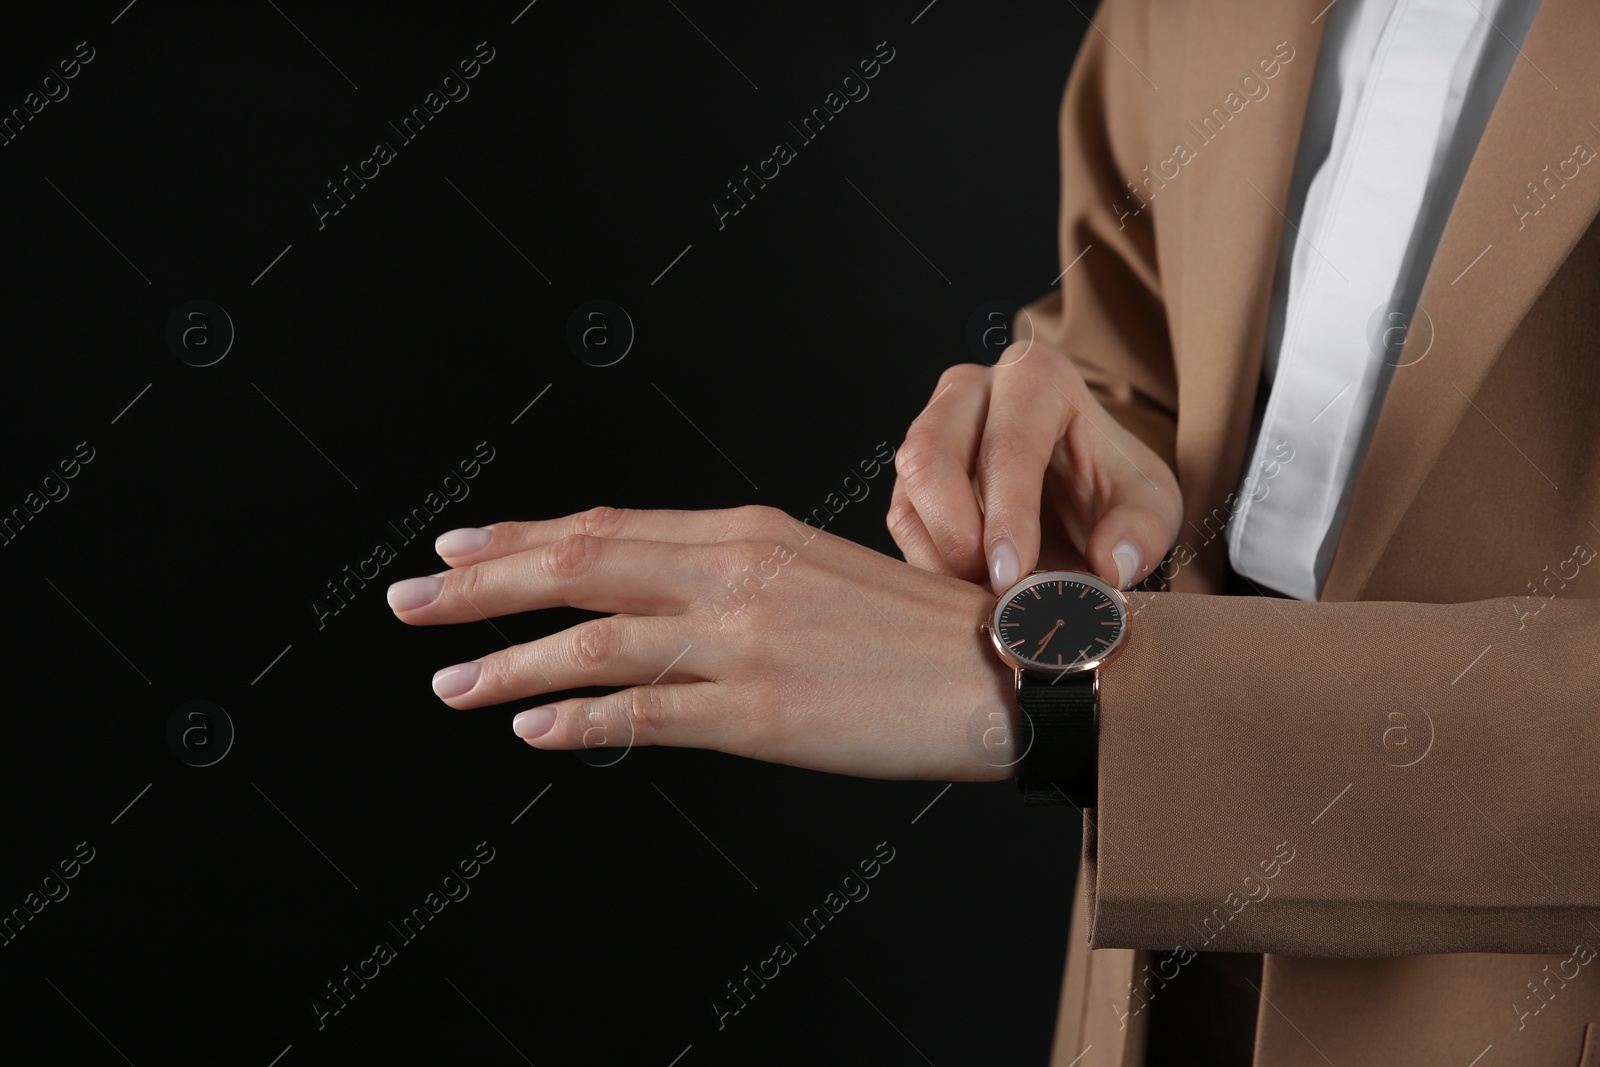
(535, 722)
(414, 593)
(1003, 566)
(453, 681)
(1126, 557)
(462, 542)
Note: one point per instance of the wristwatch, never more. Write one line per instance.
(1056, 629)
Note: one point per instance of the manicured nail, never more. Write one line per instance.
(535, 722)
(1126, 557)
(1003, 567)
(453, 681)
(462, 542)
(414, 593)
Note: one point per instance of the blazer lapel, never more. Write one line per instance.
(1492, 263)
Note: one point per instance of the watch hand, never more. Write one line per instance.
(1046, 639)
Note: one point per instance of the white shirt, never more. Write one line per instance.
(1399, 99)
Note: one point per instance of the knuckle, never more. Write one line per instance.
(963, 374)
(642, 707)
(602, 521)
(902, 520)
(596, 643)
(1064, 375)
(759, 518)
(496, 672)
(1004, 447)
(591, 726)
(962, 548)
(1015, 352)
(570, 726)
(467, 582)
(917, 458)
(573, 556)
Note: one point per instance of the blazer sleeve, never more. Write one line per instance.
(1348, 779)
(1107, 313)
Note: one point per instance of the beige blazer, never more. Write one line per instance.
(1423, 744)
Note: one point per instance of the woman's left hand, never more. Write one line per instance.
(744, 631)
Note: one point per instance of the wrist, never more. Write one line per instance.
(985, 699)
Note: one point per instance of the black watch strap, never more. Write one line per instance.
(1057, 730)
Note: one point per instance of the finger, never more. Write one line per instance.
(1128, 543)
(1025, 421)
(1133, 517)
(471, 544)
(936, 463)
(1059, 534)
(691, 715)
(906, 527)
(640, 577)
(604, 651)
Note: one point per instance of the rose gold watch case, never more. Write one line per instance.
(991, 625)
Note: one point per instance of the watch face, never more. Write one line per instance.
(1059, 621)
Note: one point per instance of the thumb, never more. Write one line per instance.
(1130, 540)
(1131, 504)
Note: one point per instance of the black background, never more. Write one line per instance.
(370, 358)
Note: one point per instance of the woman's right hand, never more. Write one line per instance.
(1018, 466)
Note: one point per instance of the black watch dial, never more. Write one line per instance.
(1060, 621)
